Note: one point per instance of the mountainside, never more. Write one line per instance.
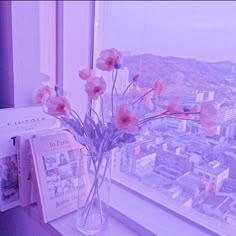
(189, 73)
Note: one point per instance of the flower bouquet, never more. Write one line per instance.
(100, 133)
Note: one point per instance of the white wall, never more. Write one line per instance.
(34, 49)
(33, 32)
(76, 51)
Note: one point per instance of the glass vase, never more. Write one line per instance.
(94, 192)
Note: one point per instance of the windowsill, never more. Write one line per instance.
(66, 226)
(149, 217)
(132, 213)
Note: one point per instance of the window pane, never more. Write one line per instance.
(191, 47)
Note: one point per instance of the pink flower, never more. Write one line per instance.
(86, 74)
(43, 94)
(95, 87)
(109, 59)
(136, 78)
(157, 87)
(58, 106)
(147, 99)
(125, 120)
(208, 117)
(172, 106)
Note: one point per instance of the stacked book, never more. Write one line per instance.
(38, 163)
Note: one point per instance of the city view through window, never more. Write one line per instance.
(191, 47)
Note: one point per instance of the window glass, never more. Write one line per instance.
(191, 47)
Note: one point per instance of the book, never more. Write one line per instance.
(16, 121)
(55, 159)
(27, 189)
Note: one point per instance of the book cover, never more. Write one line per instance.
(26, 190)
(15, 121)
(55, 159)
(25, 167)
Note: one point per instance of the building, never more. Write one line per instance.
(200, 147)
(228, 113)
(218, 143)
(173, 156)
(195, 159)
(219, 206)
(176, 124)
(184, 163)
(223, 209)
(193, 128)
(121, 83)
(138, 158)
(230, 158)
(174, 191)
(199, 96)
(116, 159)
(228, 130)
(232, 131)
(230, 216)
(190, 183)
(126, 53)
(213, 202)
(193, 97)
(229, 185)
(214, 172)
(142, 164)
(211, 95)
(167, 172)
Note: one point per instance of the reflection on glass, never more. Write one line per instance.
(191, 47)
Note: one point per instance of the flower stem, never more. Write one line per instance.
(104, 173)
(90, 205)
(94, 182)
(112, 92)
(100, 205)
(103, 120)
(73, 112)
(95, 112)
(126, 89)
(170, 115)
(161, 115)
(140, 98)
(95, 190)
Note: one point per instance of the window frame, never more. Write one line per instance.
(94, 11)
(127, 216)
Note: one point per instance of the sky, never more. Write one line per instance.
(204, 30)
